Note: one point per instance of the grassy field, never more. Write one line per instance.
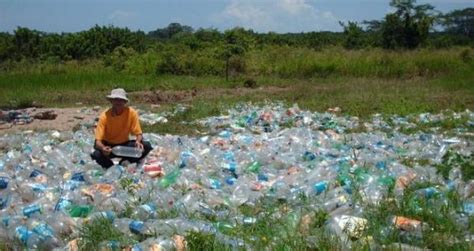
(361, 83)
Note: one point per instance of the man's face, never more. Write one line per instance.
(118, 103)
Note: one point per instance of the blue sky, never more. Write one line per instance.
(260, 15)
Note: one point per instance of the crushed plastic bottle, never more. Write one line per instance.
(127, 151)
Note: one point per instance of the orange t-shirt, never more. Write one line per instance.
(116, 129)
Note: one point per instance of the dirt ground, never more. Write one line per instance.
(66, 120)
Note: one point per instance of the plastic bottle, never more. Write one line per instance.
(127, 226)
(45, 234)
(170, 178)
(127, 151)
(27, 237)
(145, 211)
(320, 187)
(4, 180)
(113, 174)
(108, 215)
(32, 209)
(254, 167)
(80, 210)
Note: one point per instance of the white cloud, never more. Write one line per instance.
(245, 14)
(295, 6)
(276, 15)
(121, 16)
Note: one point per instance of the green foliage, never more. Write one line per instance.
(438, 225)
(455, 160)
(179, 60)
(97, 231)
(240, 37)
(117, 59)
(354, 36)
(204, 241)
(408, 27)
(170, 31)
(466, 56)
(460, 22)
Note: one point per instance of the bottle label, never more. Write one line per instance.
(309, 156)
(6, 221)
(43, 230)
(62, 204)
(148, 208)
(38, 187)
(3, 203)
(320, 187)
(230, 181)
(78, 177)
(136, 227)
(469, 208)
(30, 210)
(35, 173)
(22, 233)
(215, 184)
(4, 182)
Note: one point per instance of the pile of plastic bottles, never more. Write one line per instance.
(18, 117)
(50, 187)
(151, 118)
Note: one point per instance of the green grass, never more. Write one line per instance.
(455, 160)
(436, 214)
(360, 82)
(92, 234)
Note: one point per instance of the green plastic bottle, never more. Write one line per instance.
(254, 167)
(170, 178)
(80, 210)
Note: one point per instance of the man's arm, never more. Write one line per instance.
(106, 150)
(99, 135)
(139, 141)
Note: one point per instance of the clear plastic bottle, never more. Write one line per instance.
(32, 209)
(46, 235)
(108, 215)
(27, 237)
(145, 211)
(127, 151)
(113, 174)
(128, 226)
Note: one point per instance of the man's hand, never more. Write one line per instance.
(106, 150)
(139, 145)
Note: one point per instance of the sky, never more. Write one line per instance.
(279, 16)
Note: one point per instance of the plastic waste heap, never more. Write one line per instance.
(341, 165)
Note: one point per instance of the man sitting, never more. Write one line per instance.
(114, 127)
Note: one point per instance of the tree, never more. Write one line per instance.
(6, 45)
(240, 37)
(171, 30)
(208, 35)
(354, 35)
(27, 42)
(460, 22)
(407, 27)
(411, 22)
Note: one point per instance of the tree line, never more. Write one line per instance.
(410, 26)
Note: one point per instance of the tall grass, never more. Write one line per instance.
(303, 62)
(360, 82)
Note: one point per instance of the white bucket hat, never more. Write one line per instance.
(118, 93)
